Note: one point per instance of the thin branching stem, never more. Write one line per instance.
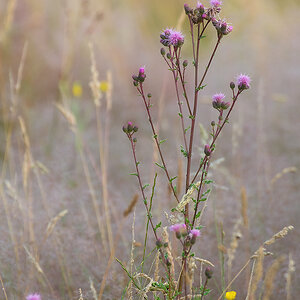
(155, 136)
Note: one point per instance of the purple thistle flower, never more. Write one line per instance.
(218, 97)
(217, 100)
(165, 37)
(171, 37)
(142, 71)
(179, 229)
(33, 297)
(215, 3)
(194, 233)
(200, 5)
(243, 82)
(176, 39)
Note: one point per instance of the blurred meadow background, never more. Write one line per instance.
(65, 92)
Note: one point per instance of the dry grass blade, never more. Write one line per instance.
(3, 288)
(129, 290)
(244, 208)
(270, 276)
(187, 198)
(93, 290)
(236, 236)
(131, 206)
(51, 225)
(67, 114)
(39, 269)
(283, 172)
(10, 11)
(94, 83)
(288, 277)
(80, 294)
(258, 272)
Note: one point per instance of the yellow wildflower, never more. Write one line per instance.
(77, 90)
(230, 295)
(104, 86)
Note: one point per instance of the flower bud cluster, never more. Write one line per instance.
(181, 231)
(129, 128)
(140, 77)
(198, 14)
(171, 37)
(222, 27)
(201, 13)
(218, 102)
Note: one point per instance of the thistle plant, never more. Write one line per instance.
(174, 284)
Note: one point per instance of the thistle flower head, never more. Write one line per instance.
(218, 97)
(187, 9)
(215, 3)
(33, 297)
(222, 27)
(200, 5)
(179, 229)
(194, 233)
(243, 82)
(218, 102)
(230, 295)
(176, 39)
(170, 37)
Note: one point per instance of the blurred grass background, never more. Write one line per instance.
(52, 37)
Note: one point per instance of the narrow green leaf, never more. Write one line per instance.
(134, 174)
(162, 167)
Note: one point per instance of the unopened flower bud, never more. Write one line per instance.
(168, 56)
(159, 243)
(135, 128)
(207, 150)
(129, 126)
(134, 140)
(187, 9)
(162, 51)
(212, 123)
(149, 95)
(135, 83)
(168, 262)
(166, 245)
(225, 105)
(124, 129)
(208, 272)
(185, 63)
(232, 85)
